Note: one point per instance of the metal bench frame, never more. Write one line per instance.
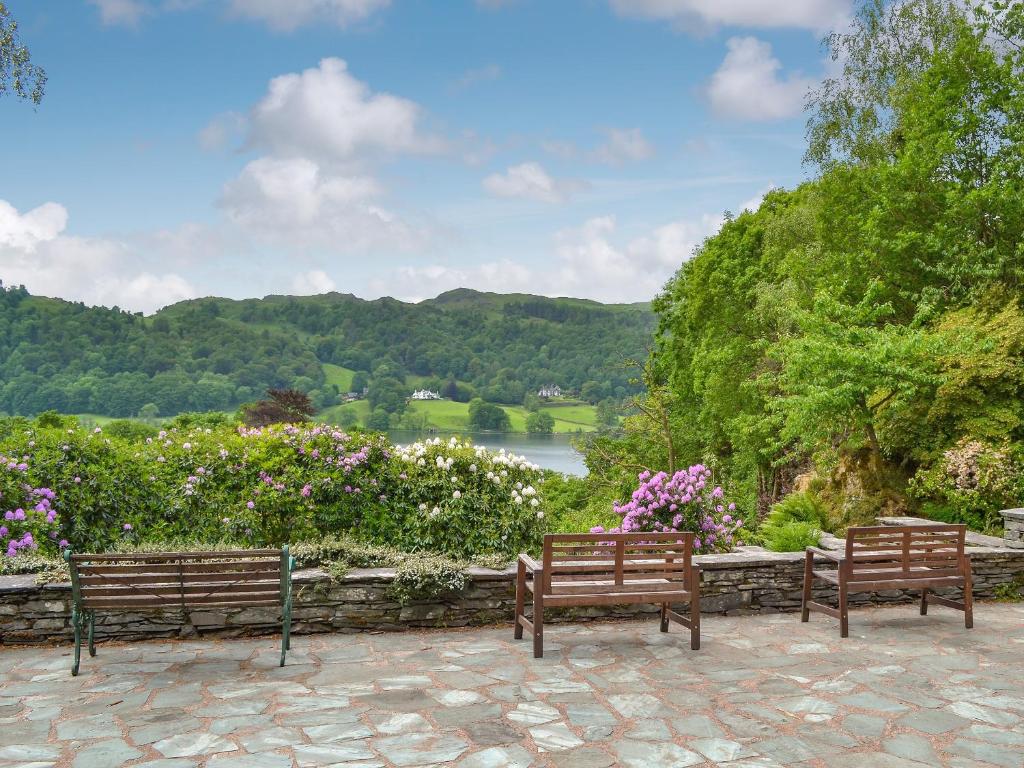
(178, 580)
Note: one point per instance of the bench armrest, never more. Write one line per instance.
(836, 557)
(532, 565)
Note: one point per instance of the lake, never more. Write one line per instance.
(553, 452)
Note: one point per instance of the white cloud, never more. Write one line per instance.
(35, 253)
(126, 12)
(621, 145)
(293, 202)
(593, 262)
(25, 231)
(704, 15)
(223, 130)
(529, 181)
(325, 113)
(472, 77)
(747, 84)
(312, 282)
(624, 145)
(287, 15)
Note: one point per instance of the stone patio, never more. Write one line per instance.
(904, 691)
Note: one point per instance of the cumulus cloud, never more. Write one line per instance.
(529, 181)
(35, 252)
(594, 262)
(312, 282)
(123, 12)
(287, 15)
(326, 113)
(293, 202)
(747, 84)
(705, 15)
(472, 77)
(624, 145)
(222, 131)
(621, 145)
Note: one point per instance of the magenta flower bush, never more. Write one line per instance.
(686, 501)
(29, 512)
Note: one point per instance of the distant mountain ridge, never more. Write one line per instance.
(214, 353)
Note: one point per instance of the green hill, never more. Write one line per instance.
(214, 354)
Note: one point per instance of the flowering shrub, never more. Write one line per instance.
(463, 499)
(971, 483)
(30, 516)
(683, 502)
(267, 486)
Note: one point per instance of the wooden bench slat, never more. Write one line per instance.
(89, 580)
(608, 587)
(243, 554)
(217, 587)
(184, 568)
(619, 598)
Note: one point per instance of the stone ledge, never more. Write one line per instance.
(750, 580)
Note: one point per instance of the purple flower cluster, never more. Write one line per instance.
(33, 514)
(686, 501)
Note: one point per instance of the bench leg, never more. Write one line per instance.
(538, 621)
(76, 625)
(805, 611)
(517, 632)
(695, 610)
(968, 599)
(286, 630)
(844, 616)
(924, 602)
(664, 617)
(92, 633)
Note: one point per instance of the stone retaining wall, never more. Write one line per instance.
(1013, 528)
(749, 580)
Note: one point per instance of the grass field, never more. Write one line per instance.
(335, 374)
(446, 415)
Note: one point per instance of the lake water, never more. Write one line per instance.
(553, 452)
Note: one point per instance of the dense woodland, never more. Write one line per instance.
(214, 354)
(860, 339)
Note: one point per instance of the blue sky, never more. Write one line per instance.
(244, 147)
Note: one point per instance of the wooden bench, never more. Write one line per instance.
(882, 557)
(178, 580)
(610, 569)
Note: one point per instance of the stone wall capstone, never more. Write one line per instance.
(1013, 528)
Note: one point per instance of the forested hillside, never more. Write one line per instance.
(213, 354)
(861, 338)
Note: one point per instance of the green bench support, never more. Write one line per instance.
(179, 581)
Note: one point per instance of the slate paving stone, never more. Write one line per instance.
(490, 732)
(554, 737)
(764, 692)
(911, 747)
(499, 757)
(307, 755)
(1009, 757)
(193, 744)
(643, 754)
(420, 749)
(105, 754)
(933, 721)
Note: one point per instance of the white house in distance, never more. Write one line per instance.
(425, 394)
(549, 392)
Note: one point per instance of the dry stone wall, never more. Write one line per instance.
(749, 580)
